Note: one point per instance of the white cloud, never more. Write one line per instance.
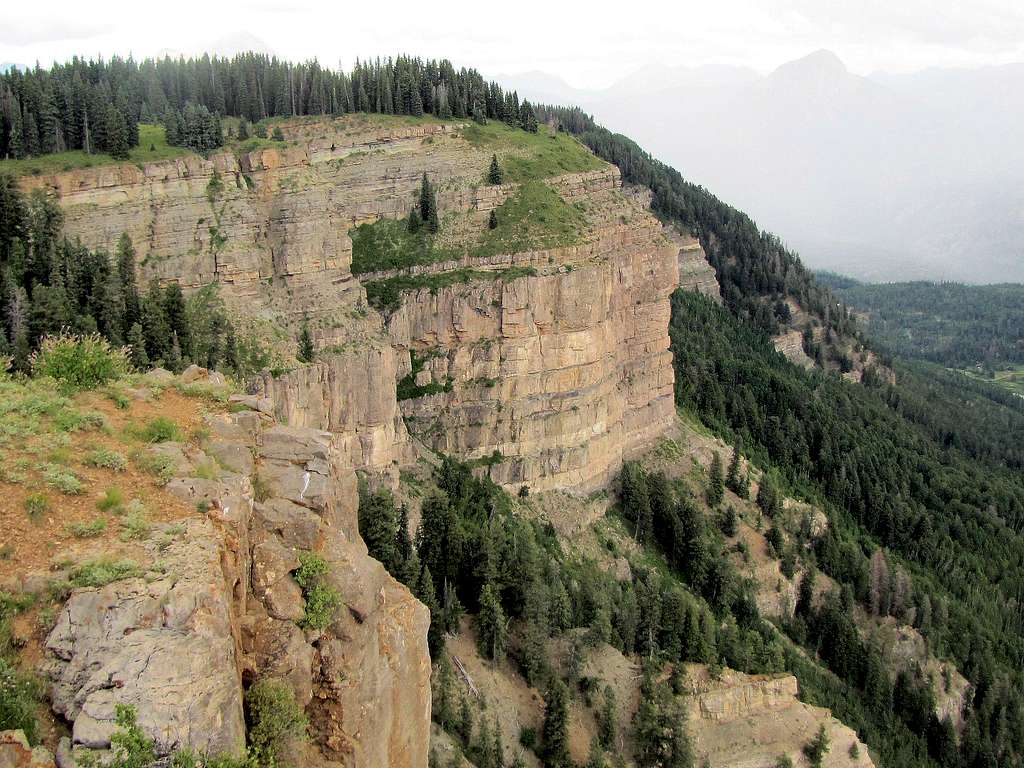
(589, 44)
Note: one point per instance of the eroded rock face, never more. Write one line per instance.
(564, 373)
(695, 273)
(751, 721)
(163, 645)
(224, 609)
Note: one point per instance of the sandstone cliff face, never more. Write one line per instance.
(563, 373)
(695, 273)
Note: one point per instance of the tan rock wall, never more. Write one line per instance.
(564, 373)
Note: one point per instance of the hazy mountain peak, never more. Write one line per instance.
(822, 63)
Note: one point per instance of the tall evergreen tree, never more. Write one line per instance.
(716, 485)
(555, 732)
(491, 629)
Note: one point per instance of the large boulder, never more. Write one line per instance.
(165, 647)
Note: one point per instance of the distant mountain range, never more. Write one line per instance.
(884, 177)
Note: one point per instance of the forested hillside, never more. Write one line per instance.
(96, 106)
(953, 324)
(903, 469)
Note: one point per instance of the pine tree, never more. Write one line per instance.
(428, 204)
(492, 221)
(715, 483)
(491, 630)
(606, 724)
(426, 593)
(444, 703)
(307, 350)
(732, 476)
(137, 341)
(555, 732)
(494, 175)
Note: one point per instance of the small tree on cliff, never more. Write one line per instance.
(307, 351)
(428, 204)
(494, 175)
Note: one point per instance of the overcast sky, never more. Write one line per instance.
(590, 44)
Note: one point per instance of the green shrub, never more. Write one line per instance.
(88, 530)
(275, 719)
(62, 479)
(36, 505)
(79, 362)
(70, 420)
(321, 600)
(107, 459)
(20, 697)
(134, 524)
(111, 501)
(161, 467)
(160, 429)
(130, 746)
(94, 573)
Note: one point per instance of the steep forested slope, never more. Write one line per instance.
(949, 323)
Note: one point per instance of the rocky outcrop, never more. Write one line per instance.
(695, 272)
(162, 644)
(220, 607)
(791, 345)
(750, 721)
(15, 752)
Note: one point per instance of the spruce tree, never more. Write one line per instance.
(606, 724)
(732, 475)
(444, 702)
(426, 593)
(377, 526)
(715, 482)
(491, 629)
(307, 349)
(555, 732)
(451, 608)
(173, 361)
(494, 175)
(414, 222)
(137, 341)
(428, 204)
(465, 722)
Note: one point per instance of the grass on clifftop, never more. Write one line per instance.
(152, 147)
(531, 156)
(386, 295)
(534, 217)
